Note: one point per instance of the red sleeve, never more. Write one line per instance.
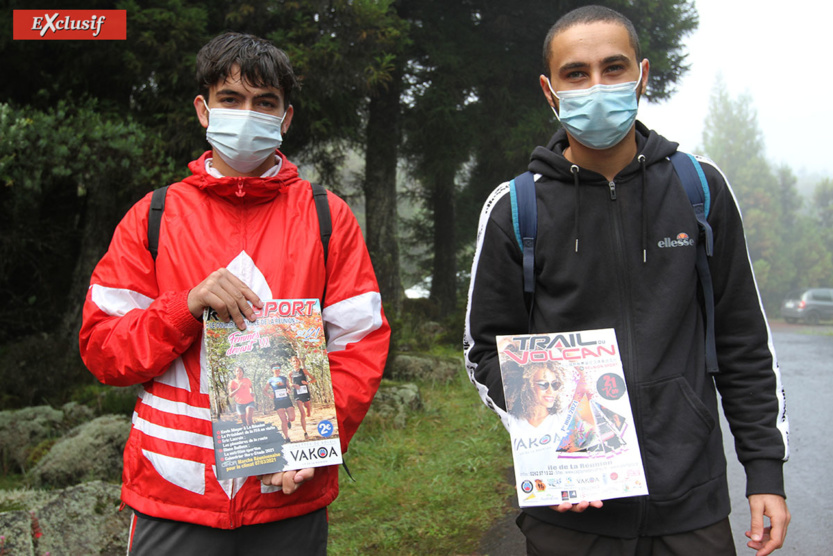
(130, 333)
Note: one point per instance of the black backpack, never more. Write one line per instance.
(525, 222)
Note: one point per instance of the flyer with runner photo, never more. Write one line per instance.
(569, 418)
(272, 404)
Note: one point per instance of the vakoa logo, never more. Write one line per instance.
(70, 25)
(682, 240)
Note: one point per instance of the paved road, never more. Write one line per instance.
(806, 357)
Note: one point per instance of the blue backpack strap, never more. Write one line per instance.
(525, 222)
(697, 188)
(157, 207)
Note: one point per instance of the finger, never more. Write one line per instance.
(210, 293)
(272, 479)
(243, 295)
(304, 475)
(768, 544)
(238, 301)
(580, 507)
(756, 529)
(291, 481)
(774, 535)
(233, 303)
(778, 526)
(228, 295)
(563, 507)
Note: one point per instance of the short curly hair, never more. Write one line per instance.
(520, 395)
(261, 64)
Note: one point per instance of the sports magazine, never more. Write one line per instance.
(569, 418)
(272, 404)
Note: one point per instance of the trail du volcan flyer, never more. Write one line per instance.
(569, 418)
(272, 404)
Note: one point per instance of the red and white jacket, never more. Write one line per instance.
(137, 329)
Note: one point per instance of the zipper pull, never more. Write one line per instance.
(240, 192)
(612, 187)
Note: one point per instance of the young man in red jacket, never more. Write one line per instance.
(240, 229)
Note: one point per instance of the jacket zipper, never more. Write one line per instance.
(627, 311)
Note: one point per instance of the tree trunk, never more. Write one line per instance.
(444, 273)
(380, 192)
(103, 210)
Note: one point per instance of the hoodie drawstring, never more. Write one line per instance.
(641, 159)
(574, 171)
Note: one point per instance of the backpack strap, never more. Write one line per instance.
(157, 207)
(325, 223)
(697, 188)
(525, 222)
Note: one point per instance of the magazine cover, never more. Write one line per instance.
(569, 418)
(272, 405)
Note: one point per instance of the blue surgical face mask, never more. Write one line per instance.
(601, 116)
(243, 138)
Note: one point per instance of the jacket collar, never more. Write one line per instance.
(243, 189)
(550, 160)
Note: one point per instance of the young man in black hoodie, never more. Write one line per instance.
(607, 198)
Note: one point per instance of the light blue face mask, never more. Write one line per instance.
(243, 138)
(601, 116)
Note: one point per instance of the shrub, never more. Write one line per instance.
(104, 436)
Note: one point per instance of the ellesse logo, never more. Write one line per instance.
(682, 240)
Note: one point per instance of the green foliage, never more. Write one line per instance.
(422, 327)
(789, 247)
(106, 400)
(823, 212)
(55, 166)
(433, 487)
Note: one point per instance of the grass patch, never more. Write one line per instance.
(433, 487)
(11, 481)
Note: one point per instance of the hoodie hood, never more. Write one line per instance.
(549, 161)
(243, 189)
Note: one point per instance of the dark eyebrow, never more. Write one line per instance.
(580, 65)
(238, 94)
(268, 95)
(228, 92)
(572, 66)
(616, 58)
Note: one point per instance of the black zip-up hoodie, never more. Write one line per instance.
(607, 255)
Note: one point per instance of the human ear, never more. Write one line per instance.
(646, 70)
(287, 119)
(202, 110)
(544, 82)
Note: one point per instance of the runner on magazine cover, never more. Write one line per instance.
(281, 399)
